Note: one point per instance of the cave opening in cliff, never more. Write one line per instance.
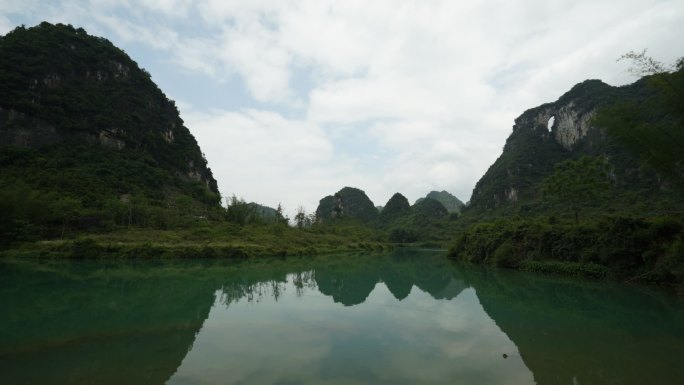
(549, 124)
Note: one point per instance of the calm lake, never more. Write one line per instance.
(410, 317)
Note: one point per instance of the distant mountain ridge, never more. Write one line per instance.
(450, 202)
(425, 221)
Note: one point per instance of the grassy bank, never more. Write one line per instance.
(635, 249)
(206, 240)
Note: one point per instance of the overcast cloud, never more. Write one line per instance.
(293, 100)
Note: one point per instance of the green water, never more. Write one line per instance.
(406, 318)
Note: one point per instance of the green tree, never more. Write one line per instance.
(300, 217)
(280, 218)
(652, 128)
(67, 209)
(239, 211)
(310, 220)
(577, 183)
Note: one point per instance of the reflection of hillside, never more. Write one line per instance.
(352, 279)
(348, 279)
(348, 286)
(398, 282)
(434, 280)
(83, 322)
(134, 323)
(569, 332)
(452, 289)
(98, 329)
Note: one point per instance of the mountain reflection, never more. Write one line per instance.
(582, 332)
(348, 279)
(87, 323)
(346, 316)
(134, 322)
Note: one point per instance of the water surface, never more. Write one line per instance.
(405, 318)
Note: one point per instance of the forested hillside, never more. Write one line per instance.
(590, 184)
(88, 141)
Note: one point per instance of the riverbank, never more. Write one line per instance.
(646, 250)
(211, 240)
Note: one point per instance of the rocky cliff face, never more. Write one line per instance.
(548, 134)
(349, 202)
(59, 85)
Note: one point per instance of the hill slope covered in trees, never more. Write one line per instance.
(89, 141)
(590, 184)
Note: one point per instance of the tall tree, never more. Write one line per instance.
(300, 217)
(239, 211)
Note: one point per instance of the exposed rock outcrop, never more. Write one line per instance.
(349, 202)
(548, 134)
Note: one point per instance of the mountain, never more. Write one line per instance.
(61, 85)
(563, 130)
(397, 206)
(349, 202)
(427, 222)
(265, 213)
(611, 154)
(450, 202)
(430, 208)
(84, 127)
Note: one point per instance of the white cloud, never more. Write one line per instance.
(155, 36)
(19, 7)
(263, 157)
(194, 57)
(172, 8)
(5, 25)
(253, 51)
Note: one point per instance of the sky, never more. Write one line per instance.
(292, 100)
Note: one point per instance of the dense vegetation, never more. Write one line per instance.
(58, 190)
(59, 84)
(89, 143)
(648, 249)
